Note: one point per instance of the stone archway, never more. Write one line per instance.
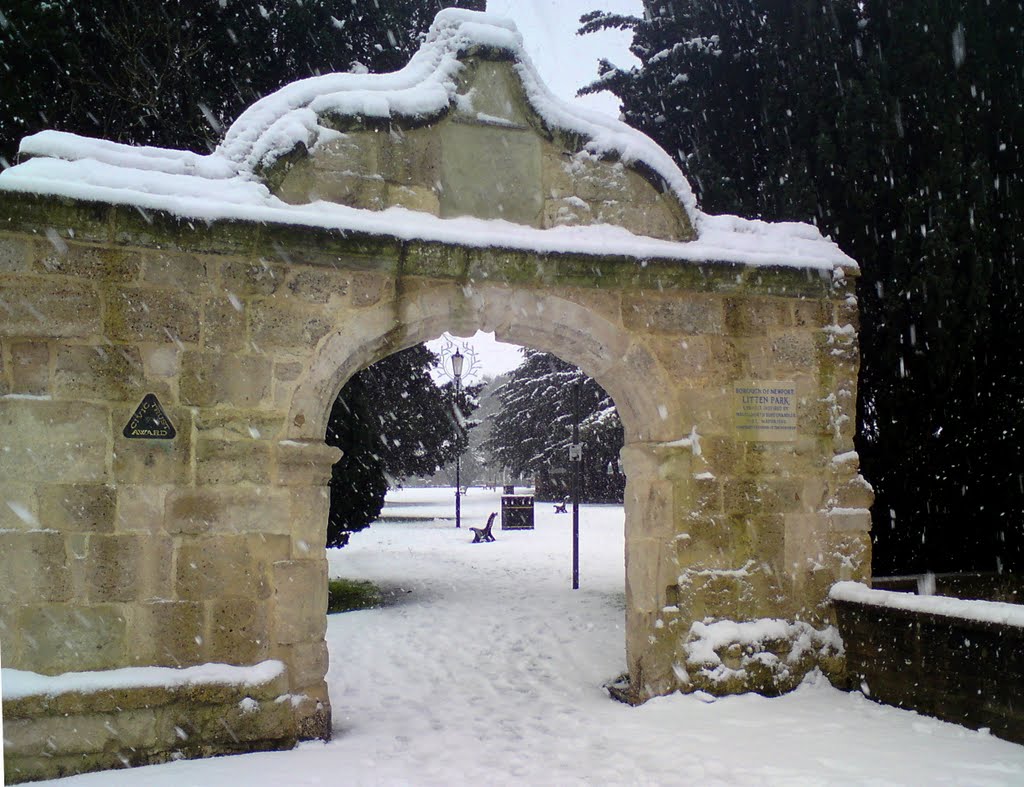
(242, 289)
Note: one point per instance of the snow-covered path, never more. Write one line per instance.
(488, 670)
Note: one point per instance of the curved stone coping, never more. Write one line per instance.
(974, 610)
(24, 688)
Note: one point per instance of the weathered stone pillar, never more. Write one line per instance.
(299, 582)
(658, 493)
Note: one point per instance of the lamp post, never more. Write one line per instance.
(457, 361)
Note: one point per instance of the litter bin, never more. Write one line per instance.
(517, 512)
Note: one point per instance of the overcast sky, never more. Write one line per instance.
(566, 62)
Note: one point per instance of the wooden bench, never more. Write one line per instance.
(560, 507)
(483, 534)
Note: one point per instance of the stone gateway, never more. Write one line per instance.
(343, 219)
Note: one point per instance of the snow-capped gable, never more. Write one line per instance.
(488, 139)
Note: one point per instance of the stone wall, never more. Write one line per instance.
(209, 547)
(965, 671)
(47, 737)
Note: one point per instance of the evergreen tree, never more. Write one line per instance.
(391, 421)
(897, 129)
(532, 432)
(174, 73)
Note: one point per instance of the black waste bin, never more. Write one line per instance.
(517, 512)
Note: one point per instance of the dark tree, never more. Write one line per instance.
(896, 128)
(532, 431)
(174, 73)
(392, 422)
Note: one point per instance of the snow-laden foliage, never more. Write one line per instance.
(176, 73)
(532, 431)
(898, 129)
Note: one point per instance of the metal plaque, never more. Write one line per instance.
(149, 422)
(765, 410)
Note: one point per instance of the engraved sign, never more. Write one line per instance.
(765, 410)
(150, 422)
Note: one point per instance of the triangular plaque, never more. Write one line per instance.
(150, 422)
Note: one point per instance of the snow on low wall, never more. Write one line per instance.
(56, 725)
(962, 661)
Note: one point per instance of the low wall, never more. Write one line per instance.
(91, 721)
(961, 661)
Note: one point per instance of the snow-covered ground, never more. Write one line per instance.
(488, 670)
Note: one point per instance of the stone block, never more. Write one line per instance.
(168, 633)
(176, 270)
(210, 379)
(354, 152)
(16, 256)
(300, 598)
(854, 492)
(35, 567)
(749, 496)
(242, 278)
(305, 463)
(144, 314)
(307, 662)
(276, 326)
(145, 461)
(37, 307)
(422, 199)
(161, 360)
(653, 221)
(318, 286)
(98, 263)
(753, 316)
(224, 325)
(30, 367)
(228, 511)
(140, 507)
(490, 91)
(240, 424)
(128, 567)
(18, 506)
(369, 289)
(411, 157)
(82, 508)
(511, 188)
(73, 637)
(223, 462)
(310, 506)
(221, 566)
(793, 351)
(239, 631)
(306, 182)
(47, 441)
(811, 313)
(689, 315)
(110, 372)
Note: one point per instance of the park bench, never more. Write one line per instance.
(483, 534)
(560, 507)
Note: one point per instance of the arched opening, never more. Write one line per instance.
(464, 608)
(578, 333)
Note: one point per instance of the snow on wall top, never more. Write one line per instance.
(18, 684)
(976, 610)
(226, 183)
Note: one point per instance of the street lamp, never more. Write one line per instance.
(457, 361)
